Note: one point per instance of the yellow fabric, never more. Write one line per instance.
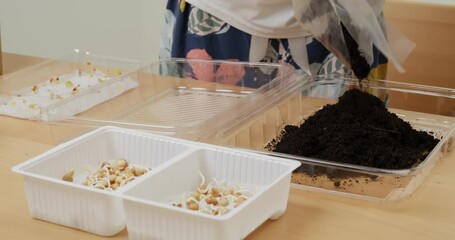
(379, 73)
(182, 5)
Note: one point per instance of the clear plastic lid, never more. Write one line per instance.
(166, 99)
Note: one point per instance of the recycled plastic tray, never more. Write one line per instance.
(424, 107)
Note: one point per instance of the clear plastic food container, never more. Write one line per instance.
(424, 107)
(168, 100)
(31, 93)
(174, 167)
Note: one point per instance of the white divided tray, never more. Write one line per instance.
(143, 204)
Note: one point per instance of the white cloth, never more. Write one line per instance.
(260, 18)
(294, 19)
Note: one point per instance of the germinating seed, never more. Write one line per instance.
(214, 198)
(110, 176)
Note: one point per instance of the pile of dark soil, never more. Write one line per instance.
(357, 130)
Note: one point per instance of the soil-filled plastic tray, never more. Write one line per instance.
(356, 172)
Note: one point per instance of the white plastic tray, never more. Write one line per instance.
(175, 165)
(75, 83)
(150, 216)
(75, 205)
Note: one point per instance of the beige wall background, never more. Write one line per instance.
(431, 25)
(52, 28)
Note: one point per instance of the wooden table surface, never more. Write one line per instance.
(428, 214)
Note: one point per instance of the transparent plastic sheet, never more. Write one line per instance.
(360, 18)
(399, 44)
(362, 23)
(320, 19)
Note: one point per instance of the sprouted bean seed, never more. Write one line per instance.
(213, 198)
(111, 176)
(68, 176)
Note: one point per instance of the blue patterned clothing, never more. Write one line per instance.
(190, 32)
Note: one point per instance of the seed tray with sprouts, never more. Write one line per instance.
(142, 181)
(73, 184)
(73, 83)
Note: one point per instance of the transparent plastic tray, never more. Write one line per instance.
(425, 108)
(169, 101)
(31, 93)
(139, 205)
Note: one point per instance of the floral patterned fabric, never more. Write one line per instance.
(190, 32)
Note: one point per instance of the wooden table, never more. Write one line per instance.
(428, 214)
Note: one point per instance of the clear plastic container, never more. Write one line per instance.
(174, 166)
(168, 101)
(424, 107)
(31, 92)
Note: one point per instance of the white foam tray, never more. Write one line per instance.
(139, 205)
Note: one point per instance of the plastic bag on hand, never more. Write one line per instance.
(319, 18)
(325, 20)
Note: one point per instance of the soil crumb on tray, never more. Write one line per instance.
(357, 130)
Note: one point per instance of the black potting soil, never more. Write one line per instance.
(357, 130)
(359, 64)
